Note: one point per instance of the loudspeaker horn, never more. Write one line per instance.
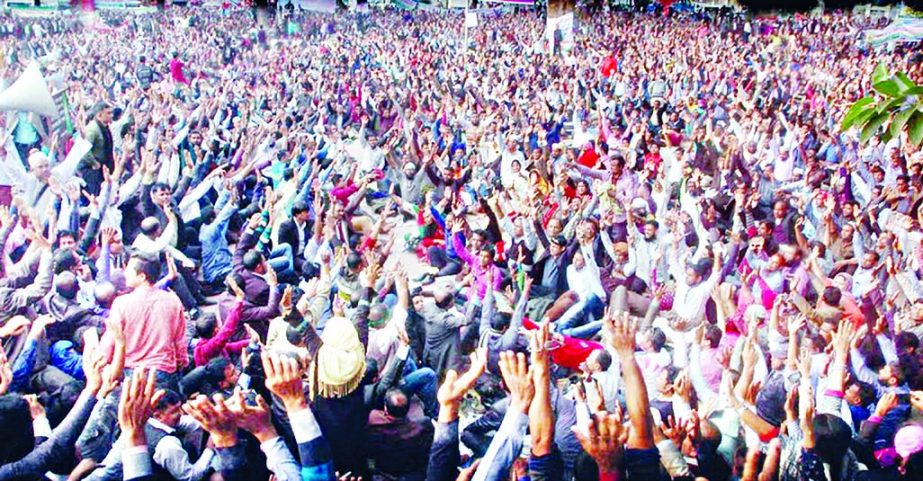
(29, 93)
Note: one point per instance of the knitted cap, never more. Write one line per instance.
(339, 366)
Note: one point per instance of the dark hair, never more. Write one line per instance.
(671, 372)
(907, 342)
(899, 369)
(294, 335)
(713, 335)
(299, 207)
(64, 260)
(658, 338)
(913, 466)
(652, 222)
(604, 359)
(169, 398)
(818, 245)
(353, 260)
(866, 393)
(66, 233)
(214, 370)
(147, 266)
(239, 279)
(833, 438)
(159, 186)
(832, 295)
(396, 403)
(15, 428)
(100, 106)
(252, 259)
(205, 326)
(499, 321)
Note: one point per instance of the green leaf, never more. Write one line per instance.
(863, 118)
(916, 129)
(872, 127)
(886, 136)
(918, 90)
(880, 74)
(890, 105)
(904, 79)
(861, 105)
(900, 119)
(888, 88)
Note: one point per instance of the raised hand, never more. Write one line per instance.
(370, 275)
(172, 273)
(93, 363)
(6, 373)
(136, 405)
(286, 304)
(255, 221)
(238, 292)
(622, 333)
(283, 378)
(215, 417)
(6, 217)
(253, 417)
(541, 358)
(517, 375)
(887, 402)
(106, 235)
(806, 413)
(749, 354)
(603, 441)
(271, 278)
(842, 340)
(454, 387)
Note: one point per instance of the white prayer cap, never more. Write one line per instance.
(37, 156)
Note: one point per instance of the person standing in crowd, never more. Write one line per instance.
(100, 156)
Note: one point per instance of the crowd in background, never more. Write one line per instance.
(384, 246)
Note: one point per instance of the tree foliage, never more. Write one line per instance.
(895, 105)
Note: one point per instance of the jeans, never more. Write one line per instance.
(281, 258)
(577, 316)
(422, 382)
(439, 259)
(282, 261)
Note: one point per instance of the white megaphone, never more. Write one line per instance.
(29, 93)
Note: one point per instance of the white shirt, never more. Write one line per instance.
(506, 165)
(585, 282)
(169, 453)
(689, 301)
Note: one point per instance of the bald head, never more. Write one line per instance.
(377, 313)
(150, 226)
(104, 292)
(65, 284)
(444, 298)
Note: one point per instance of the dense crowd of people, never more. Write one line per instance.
(382, 247)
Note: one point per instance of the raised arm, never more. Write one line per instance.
(444, 453)
(622, 336)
